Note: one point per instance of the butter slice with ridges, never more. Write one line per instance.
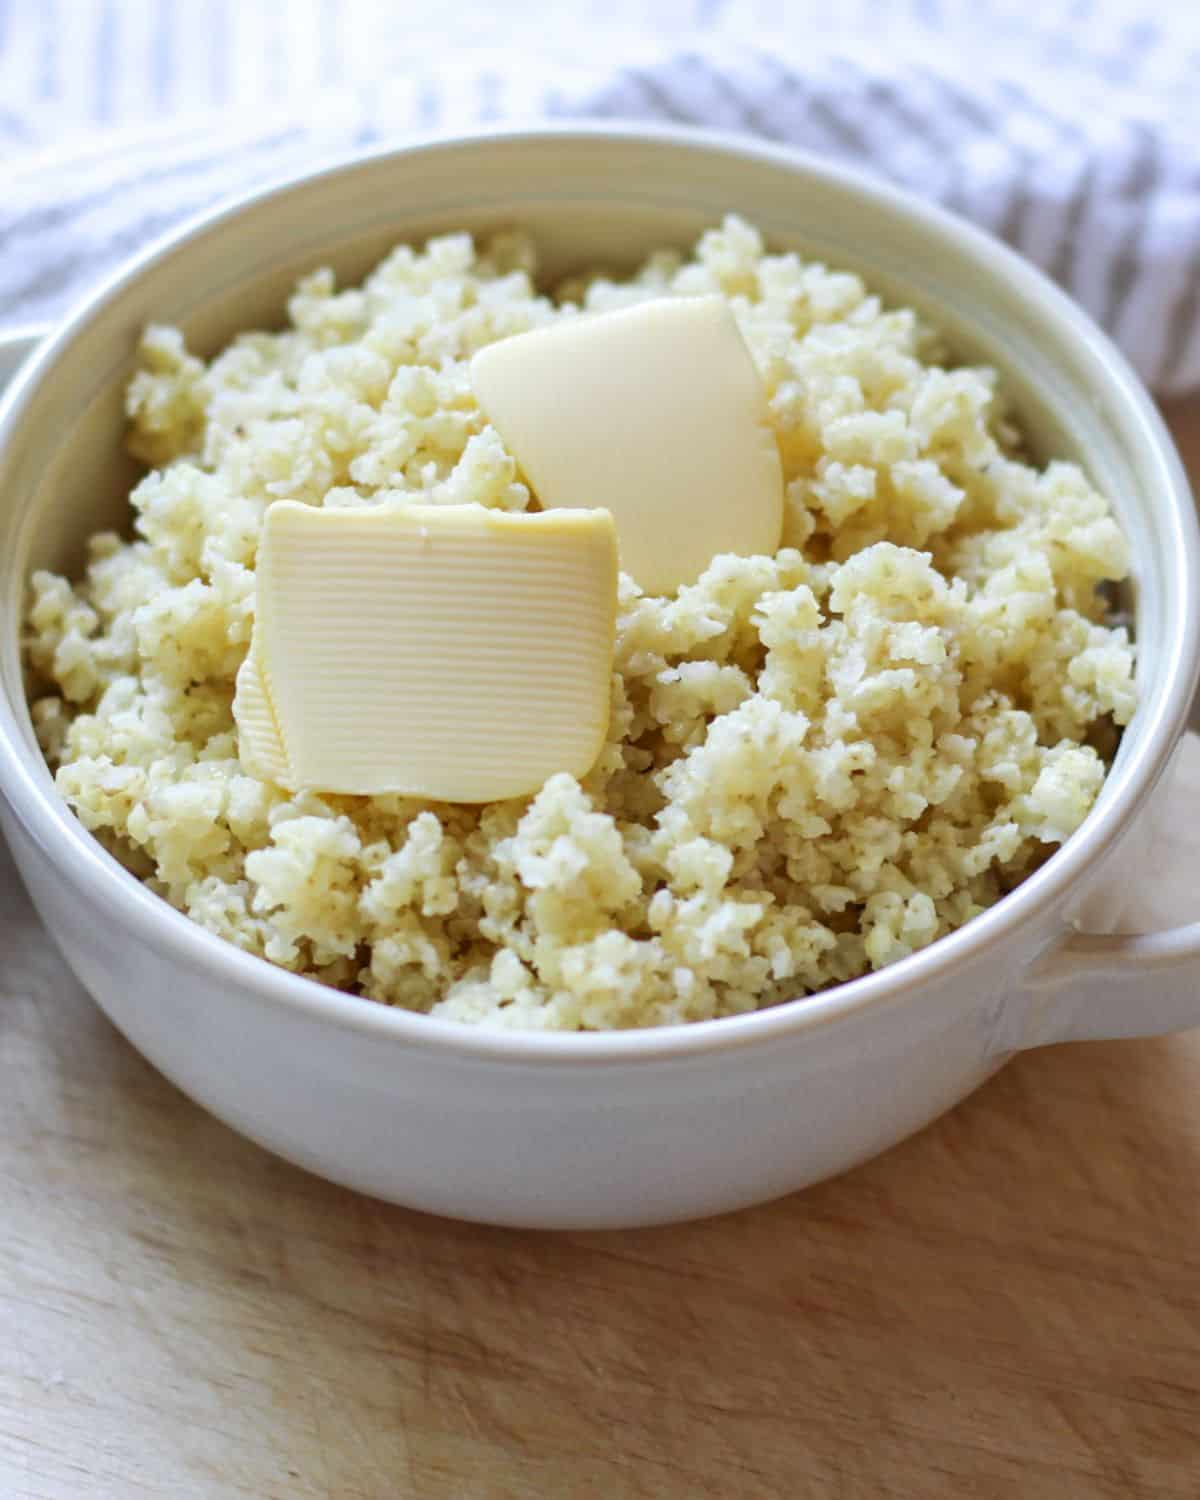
(656, 411)
(260, 746)
(448, 652)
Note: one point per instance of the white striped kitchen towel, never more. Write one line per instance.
(1071, 128)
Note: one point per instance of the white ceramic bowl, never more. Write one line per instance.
(626, 1128)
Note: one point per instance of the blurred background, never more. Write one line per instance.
(1070, 128)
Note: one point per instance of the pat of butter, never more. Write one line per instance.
(448, 652)
(657, 412)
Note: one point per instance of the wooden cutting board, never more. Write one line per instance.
(1006, 1306)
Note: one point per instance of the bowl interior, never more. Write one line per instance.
(589, 198)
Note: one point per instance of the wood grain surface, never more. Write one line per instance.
(1007, 1305)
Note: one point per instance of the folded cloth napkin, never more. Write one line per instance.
(1071, 129)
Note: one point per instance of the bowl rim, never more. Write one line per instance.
(67, 844)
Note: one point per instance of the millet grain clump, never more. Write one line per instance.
(817, 763)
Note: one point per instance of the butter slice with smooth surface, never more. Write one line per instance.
(447, 652)
(656, 411)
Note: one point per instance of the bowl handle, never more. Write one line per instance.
(1096, 987)
(1093, 986)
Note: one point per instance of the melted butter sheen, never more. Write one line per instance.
(656, 412)
(444, 652)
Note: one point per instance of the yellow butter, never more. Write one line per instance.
(260, 745)
(657, 412)
(448, 652)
